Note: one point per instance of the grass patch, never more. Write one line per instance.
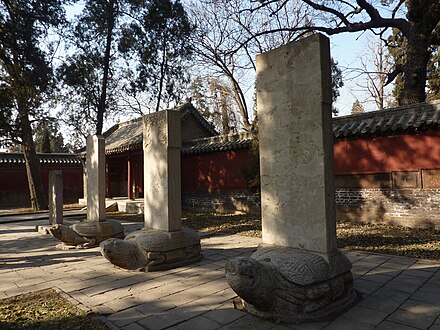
(421, 243)
(45, 309)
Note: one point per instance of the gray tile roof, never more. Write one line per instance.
(391, 121)
(224, 142)
(127, 136)
(124, 137)
(17, 158)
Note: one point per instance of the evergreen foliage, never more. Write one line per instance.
(357, 108)
(337, 83)
(397, 44)
(121, 49)
(26, 79)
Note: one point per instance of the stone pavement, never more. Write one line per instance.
(397, 292)
(8, 217)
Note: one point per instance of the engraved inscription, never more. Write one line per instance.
(155, 129)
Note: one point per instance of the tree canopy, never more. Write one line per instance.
(26, 79)
(122, 52)
(416, 20)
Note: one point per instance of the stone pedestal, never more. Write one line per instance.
(163, 243)
(153, 250)
(300, 273)
(55, 197)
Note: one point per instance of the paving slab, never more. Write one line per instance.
(344, 323)
(199, 322)
(385, 300)
(224, 314)
(397, 292)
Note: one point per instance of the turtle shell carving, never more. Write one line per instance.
(88, 233)
(150, 250)
(100, 230)
(157, 240)
(291, 285)
(297, 266)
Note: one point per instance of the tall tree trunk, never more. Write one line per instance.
(382, 77)
(108, 46)
(37, 196)
(241, 103)
(415, 68)
(423, 17)
(224, 111)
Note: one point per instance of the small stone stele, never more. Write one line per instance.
(55, 197)
(292, 285)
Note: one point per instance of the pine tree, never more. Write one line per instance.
(26, 77)
(357, 108)
(45, 146)
(397, 46)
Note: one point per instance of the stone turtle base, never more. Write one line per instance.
(86, 234)
(292, 285)
(153, 250)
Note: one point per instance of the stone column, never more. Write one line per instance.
(84, 199)
(129, 179)
(95, 163)
(300, 273)
(162, 183)
(55, 197)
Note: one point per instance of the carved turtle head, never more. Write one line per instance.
(122, 253)
(252, 280)
(56, 231)
(65, 234)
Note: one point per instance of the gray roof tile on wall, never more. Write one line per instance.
(224, 142)
(391, 121)
(63, 159)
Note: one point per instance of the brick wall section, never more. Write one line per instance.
(224, 202)
(406, 207)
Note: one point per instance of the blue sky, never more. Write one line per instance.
(346, 49)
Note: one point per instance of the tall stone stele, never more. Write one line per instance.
(163, 243)
(55, 197)
(297, 274)
(96, 228)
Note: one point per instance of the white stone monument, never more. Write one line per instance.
(301, 275)
(163, 243)
(162, 182)
(95, 163)
(96, 228)
(55, 197)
